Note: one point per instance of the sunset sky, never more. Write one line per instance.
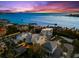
(40, 6)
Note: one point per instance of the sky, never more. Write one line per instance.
(39, 6)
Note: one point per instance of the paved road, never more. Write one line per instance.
(10, 35)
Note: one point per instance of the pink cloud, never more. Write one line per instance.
(58, 7)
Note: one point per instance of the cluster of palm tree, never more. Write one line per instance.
(9, 53)
(11, 29)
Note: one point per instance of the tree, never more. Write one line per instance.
(30, 27)
(11, 29)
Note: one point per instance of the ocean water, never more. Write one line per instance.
(42, 19)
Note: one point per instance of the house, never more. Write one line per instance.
(39, 39)
(52, 49)
(42, 40)
(47, 32)
(50, 46)
(57, 53)
(35, 38)
(24, 36)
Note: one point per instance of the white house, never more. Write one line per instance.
(42, 40)
(47, 32)
(38, 39)
(35, 38)
(24, 36)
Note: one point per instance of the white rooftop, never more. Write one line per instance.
(68, 39)
(47, 29)
(35, 37)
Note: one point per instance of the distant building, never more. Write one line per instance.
(47, 32)
(22, 27)
(9, 24)
(4, 20)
